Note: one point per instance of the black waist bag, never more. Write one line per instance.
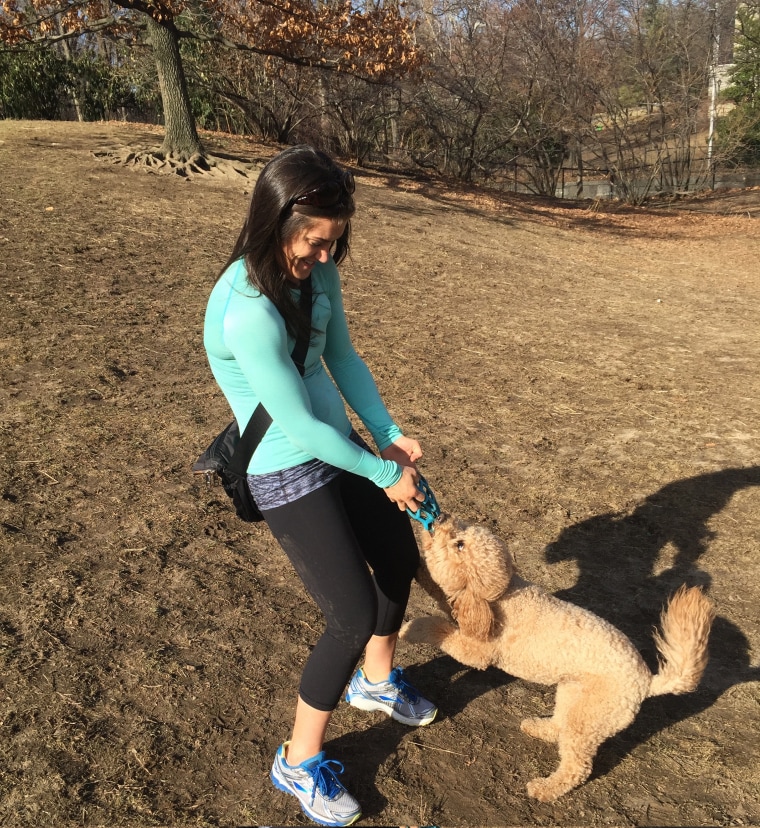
(228, 456)
(217, 461)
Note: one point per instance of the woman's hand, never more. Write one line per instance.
(405, 451)
(405, 493)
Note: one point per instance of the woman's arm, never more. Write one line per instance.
(358, 387)
(350, 372)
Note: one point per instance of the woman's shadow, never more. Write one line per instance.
(617, 556)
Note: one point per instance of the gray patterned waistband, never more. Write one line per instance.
(279, 488)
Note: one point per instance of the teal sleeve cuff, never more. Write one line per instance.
(387, 436)
(386, 472)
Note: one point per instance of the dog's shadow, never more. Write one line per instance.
(617, 555)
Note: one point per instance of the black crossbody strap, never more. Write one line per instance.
(260, 420)
(302, 343)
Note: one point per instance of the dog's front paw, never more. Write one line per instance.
(430, 629)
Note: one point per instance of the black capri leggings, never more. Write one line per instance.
(333, 536)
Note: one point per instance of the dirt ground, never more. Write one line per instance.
(584, 379)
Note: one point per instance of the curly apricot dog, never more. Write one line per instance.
(497, 618)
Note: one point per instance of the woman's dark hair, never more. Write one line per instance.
(299, 184)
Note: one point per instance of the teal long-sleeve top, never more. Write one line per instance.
(249, 349)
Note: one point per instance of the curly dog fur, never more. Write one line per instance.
(494, 617)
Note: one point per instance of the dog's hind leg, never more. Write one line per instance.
(575, 763)
(585, 714)
(547, 728)
(540, 727)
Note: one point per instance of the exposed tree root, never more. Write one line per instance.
(188, 167)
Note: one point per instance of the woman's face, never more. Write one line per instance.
(311, 245)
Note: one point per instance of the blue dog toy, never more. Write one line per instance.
(429, 510)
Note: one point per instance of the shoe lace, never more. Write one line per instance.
(325, 776)
(398, 680)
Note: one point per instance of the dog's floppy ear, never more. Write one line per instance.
(473, 614)
(488, 570)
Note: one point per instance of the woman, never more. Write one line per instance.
(336, 508)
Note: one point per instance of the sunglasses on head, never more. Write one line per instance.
(327, 194)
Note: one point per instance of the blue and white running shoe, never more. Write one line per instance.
(315, 785)
(394, 696)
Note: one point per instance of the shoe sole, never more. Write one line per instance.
(370, 705)
(283, 786)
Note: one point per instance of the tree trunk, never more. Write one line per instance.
(579, 164)
(181, 139)
(67, 54)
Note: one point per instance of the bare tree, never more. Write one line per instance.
(659, 59)
(461, 120)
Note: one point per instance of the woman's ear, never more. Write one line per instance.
(473, 615)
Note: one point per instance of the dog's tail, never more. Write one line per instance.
(682, 645)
